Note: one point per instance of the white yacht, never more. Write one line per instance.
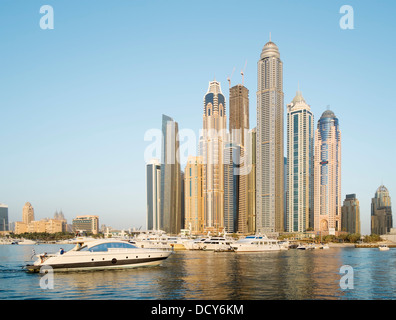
(158, 240)
(259, 243)
(100, 254)
(194, 244)
(217, 244)
(151, 240)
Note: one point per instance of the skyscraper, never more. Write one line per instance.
(381, 212)
(231, 187)
(239, 128)
(193, 195)
(170, 206)
(327, 174)
(270, 157)
(251, 181)
(153, 185)
(3, 217)
(300, 150)
(239, 113)
(213, 138)
(27, 213)
(350, 215)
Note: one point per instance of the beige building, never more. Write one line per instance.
(54, 226)
(39, 226)
(29, 225)
(20, 227)
(213, 138)
(193, 195)
(27, 213)
(270, 154)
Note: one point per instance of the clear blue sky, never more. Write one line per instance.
(76, 101)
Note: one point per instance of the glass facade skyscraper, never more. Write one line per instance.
(232, 154)
(170, 206)
(153, 181)
(300, 151)
(3, 217)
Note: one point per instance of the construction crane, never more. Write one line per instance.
(243, 71)
(229, 78)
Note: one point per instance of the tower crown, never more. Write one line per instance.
(270, 49)
(214, 87)
(328, 114)
(382, 189)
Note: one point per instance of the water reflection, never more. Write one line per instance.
(292, 274)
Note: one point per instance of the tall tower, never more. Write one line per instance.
(193, 195)
(251, 182)
(214, 135)
(239, 128)
(239, 113)
(153, 180)
(170, 208)
(232, 154)
(270, 157)
(27, 213)
(327, 174)
(300, 151)
(381, 212)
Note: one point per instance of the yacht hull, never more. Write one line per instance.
(98, 265)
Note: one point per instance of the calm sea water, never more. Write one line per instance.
(292, 274)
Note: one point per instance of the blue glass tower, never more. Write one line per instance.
(327, 174)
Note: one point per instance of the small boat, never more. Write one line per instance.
(383, 247)
(325, 247)
(259, 243)
(27, 242)
(99, 255)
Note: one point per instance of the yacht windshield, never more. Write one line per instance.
(105, 246)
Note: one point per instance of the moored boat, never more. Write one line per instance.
(194, 244)
(217, 243)
(259, 243)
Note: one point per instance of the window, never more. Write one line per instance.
(105, 246)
